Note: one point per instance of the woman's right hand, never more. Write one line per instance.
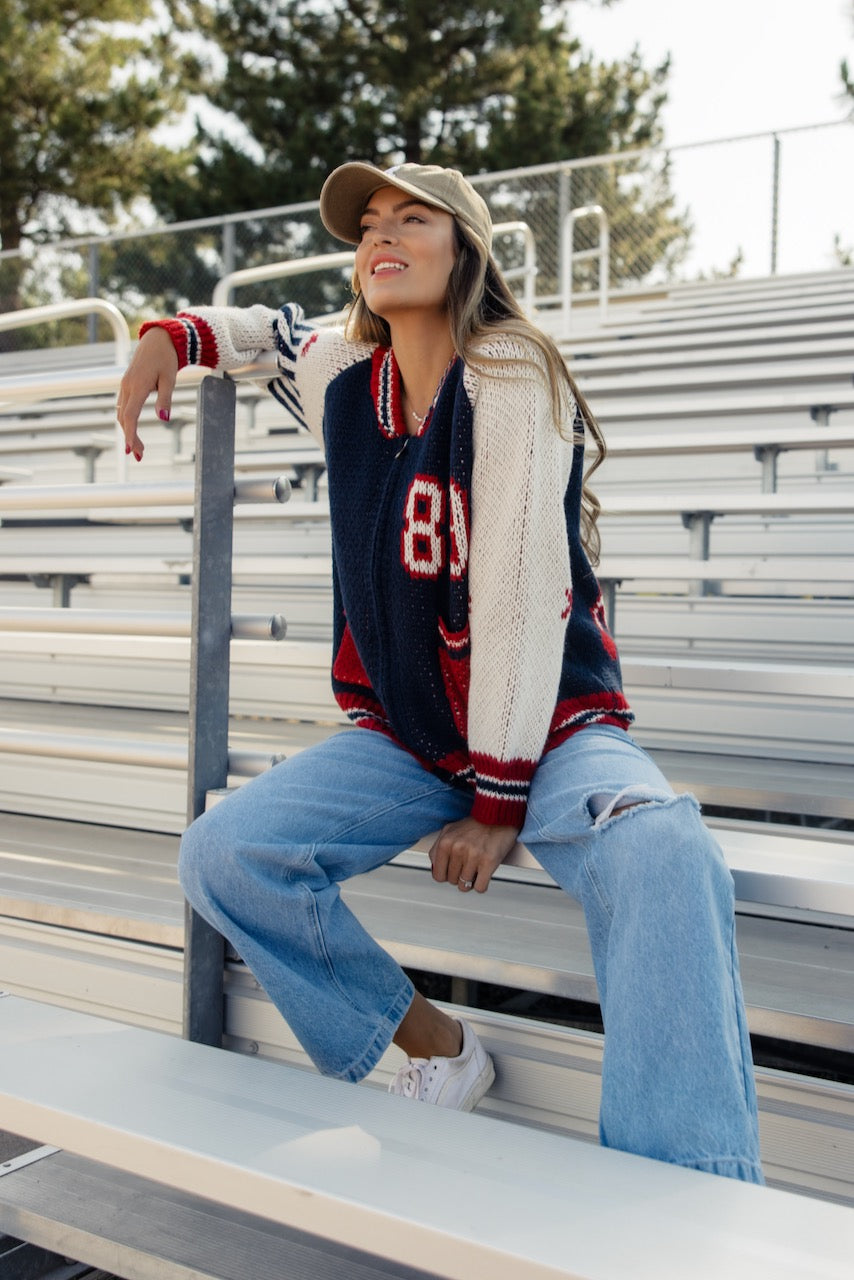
(154, 368)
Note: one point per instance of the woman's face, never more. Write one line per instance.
(406, 254)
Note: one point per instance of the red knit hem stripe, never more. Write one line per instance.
(208, 351)
(593, 708)
(494, 812)
(501, 789)
(360, 704)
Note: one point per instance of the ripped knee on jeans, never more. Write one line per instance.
(602, 806)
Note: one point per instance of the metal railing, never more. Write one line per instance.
(124, 751)
(25, 319)
(601, 253)
(207, 757)
(777, 224)
(98, 497)
(224, 289)
(76, 307)
(124, 622)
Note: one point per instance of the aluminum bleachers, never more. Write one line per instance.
(95, 761)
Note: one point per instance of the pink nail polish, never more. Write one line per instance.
(138, 457)
(163, 414)
(127, 448)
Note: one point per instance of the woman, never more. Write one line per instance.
(471, 652)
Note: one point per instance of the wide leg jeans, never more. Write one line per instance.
(264, 868)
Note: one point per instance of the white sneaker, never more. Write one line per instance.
(458, 1083)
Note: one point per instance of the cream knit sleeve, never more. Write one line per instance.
(307, 357)
(519, 582)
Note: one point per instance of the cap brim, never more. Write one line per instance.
(346, 192)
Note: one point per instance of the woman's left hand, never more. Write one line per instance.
(467, 852)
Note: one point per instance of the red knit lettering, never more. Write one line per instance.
(459, 530)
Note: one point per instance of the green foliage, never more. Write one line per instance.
(484, 85)
(83, 86)
(305, 84)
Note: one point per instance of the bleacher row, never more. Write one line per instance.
(728, 545)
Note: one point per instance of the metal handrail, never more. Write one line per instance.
(75, 307)
(224, 288)
(529, 269)
(570, 257)
(161, 755)
(81, 307)
(170, 493)
(123, 622)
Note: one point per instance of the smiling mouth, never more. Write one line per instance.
(388, 266)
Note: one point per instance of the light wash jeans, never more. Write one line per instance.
(264, 868)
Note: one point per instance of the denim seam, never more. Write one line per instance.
(331, 836)
(384, 1035)
(322, 949)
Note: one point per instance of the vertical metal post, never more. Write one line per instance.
(775, 205)
(699, 526)
(229, 249)
(204, 948)
(767, 454)
(94, 286)
(564, 206)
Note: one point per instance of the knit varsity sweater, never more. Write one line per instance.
(469, 625)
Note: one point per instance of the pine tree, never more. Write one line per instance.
(483, 85)
(479, 84)
(82, 89)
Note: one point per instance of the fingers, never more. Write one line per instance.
(153, 370)
(449, 856)
(466, 854)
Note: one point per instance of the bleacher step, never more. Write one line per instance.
(453, 1194)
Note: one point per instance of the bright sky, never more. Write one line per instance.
(740, 67)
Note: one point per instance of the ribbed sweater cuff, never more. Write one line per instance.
(192, 337)
(501, 790)
(499, 813)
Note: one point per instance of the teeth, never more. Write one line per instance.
(389, 266)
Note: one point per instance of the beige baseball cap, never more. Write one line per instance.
(347, 189)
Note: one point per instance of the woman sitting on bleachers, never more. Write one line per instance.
(471, 652)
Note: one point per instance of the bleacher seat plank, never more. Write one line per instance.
(582, 346)
(523, 933)
(360, 1168)
(129, 1225)
(548, 1074)
(803, 374)
(625, 357)
(672, 443)
(730, 406)
(741, 569)
(732, 313)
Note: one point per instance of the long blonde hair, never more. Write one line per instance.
(481, 305)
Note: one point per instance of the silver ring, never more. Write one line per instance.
(467, 884)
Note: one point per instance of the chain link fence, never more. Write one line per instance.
(748, 206)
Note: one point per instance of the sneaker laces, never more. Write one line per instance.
(409, 1079)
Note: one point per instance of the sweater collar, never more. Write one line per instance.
(387, 389)
(387, 393)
